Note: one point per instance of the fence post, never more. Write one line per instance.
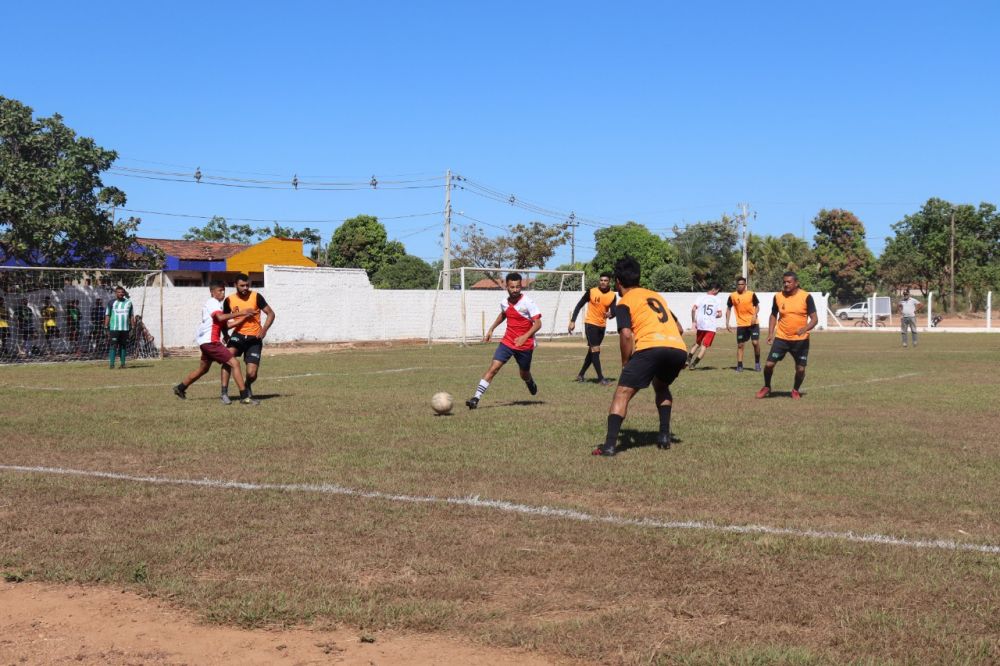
(989, 310)
(930, 309)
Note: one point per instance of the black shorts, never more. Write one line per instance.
(799, 349)
(664, 363)
(119, 338)
(247, 346)
(595, 334)
(744, 333)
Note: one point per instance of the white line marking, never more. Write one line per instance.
(866, 381)
(512, 507)
(276, 378)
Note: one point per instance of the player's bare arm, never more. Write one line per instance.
(728, 310)
(772, 326)
(267, 324)
(496, 322)
(521, 339)
(813, 320)
(626, 342)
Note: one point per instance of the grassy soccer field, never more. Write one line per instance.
(887, 441)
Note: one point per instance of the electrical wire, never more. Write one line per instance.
(267, 220)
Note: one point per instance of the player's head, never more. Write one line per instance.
(627, 273)
(741, 284)
(713, 288)
(47, 299)
(243, 284)
(217, 288)
(120, 292)
(513, 284)
(789, 282)
(604, 284)
(906, 293)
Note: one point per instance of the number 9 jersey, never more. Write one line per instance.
(651, 321)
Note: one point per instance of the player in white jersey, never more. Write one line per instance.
(210, 332)
(706, 313)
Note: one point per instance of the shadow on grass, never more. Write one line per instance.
(634, 439)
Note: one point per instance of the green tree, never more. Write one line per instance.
(218, 230)
(842, 254)
(635, 240)
(362, 242)
(308, 235)
(768, 257)
(551, 281)
(672, 277)
(709, 251)
(977, 247)
(54, 208)
(408, 272)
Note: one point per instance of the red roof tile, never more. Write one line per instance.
(193, 250)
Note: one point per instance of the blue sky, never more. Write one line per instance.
(666, 113)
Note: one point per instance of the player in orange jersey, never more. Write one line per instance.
(793, 315)
(600, 302)
(652, 351)
(747, 307)
(247, 339)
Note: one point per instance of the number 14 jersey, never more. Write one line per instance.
(649, 317)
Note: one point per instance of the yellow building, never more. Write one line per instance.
(189, 263)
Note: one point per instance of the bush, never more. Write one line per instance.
(671, 277)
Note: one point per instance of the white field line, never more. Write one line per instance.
(865, 381)
(525, 509)
(276, 378)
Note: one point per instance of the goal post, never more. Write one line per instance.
(50, 314)
(480, 288)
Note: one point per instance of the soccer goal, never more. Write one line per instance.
(57, 314)
(466, 304)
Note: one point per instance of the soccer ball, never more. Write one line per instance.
(442, 402)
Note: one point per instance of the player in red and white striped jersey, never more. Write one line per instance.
(523, 320)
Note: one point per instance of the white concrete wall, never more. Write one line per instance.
(339, 304)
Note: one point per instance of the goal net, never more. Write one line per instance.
(465, 308)
(54, 314)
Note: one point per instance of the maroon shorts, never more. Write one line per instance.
(215, 351)
(705, 338)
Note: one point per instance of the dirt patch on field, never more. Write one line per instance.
(50, 624)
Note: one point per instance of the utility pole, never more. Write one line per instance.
(743, 217)
(446, 258)
(572, 224)
(952, 261)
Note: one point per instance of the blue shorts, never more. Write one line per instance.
(523, 358)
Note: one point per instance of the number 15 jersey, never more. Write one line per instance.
(651, 321)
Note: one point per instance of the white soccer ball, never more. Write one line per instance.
(442, 402)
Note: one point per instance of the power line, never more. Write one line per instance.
(191, 169)
(270, 219)
(295, 184)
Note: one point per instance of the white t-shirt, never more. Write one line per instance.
(209, 330)
(909, 307)
(707, 313)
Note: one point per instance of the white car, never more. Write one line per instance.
(856, 311)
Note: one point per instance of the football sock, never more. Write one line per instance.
(225, 390)
(614, 425)
(768, 371)
(596, 357)
(739, 364)
(244, 393)
(664, 411)
(481, 389)
(111, 355)
(799, 378)
(586, 362)
(121, 355)
(756, 357)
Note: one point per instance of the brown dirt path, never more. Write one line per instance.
(61, 624)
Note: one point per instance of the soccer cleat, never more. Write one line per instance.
(602, 450)
(472, 403)
(532, 387)
(663, 441)
(796, 395)
(763, 392)
(579, 378)
(225, 399)
(756, 367)
(180, 391)
(904, 345)
(249, 401)
(604, 381)
(739, 368)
